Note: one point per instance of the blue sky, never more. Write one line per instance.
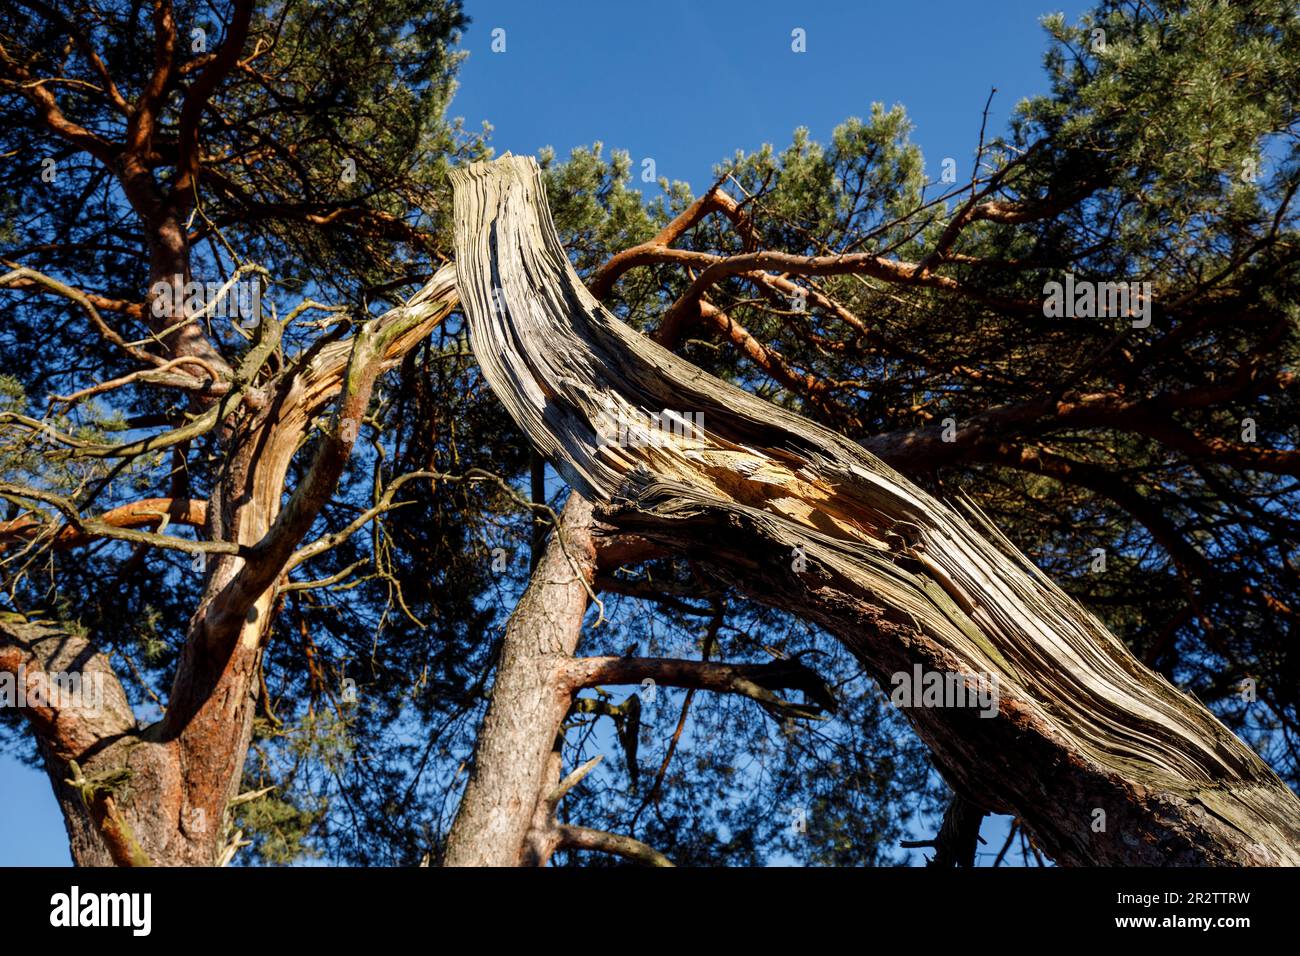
(687, 84)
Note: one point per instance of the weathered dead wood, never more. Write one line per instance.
(804, 519)
(160, 794)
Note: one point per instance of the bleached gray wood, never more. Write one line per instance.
(899, 576)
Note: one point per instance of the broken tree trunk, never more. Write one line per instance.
(804, 519)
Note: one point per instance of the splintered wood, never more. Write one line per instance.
(805, 519)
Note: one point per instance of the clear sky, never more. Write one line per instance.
(687, 84)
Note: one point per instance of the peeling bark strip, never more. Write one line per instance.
(804, 519)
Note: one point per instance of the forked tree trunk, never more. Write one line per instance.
(160, 794)
(803, 519)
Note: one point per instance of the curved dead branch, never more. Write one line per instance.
(803, 518)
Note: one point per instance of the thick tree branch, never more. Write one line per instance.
(904, 580)
(49, 112)
(196, 99)
(148, 512)
(959, 835)
(658, 248)
(121, 526)
(35, 649)
(584, 838)
(30, 278)
(756, 681)
(372, 350)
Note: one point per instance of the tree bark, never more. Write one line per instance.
(166, 788)
(1101, 757)
(515, 762)
(99, 733)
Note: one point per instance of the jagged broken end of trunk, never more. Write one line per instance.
(804, 519)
